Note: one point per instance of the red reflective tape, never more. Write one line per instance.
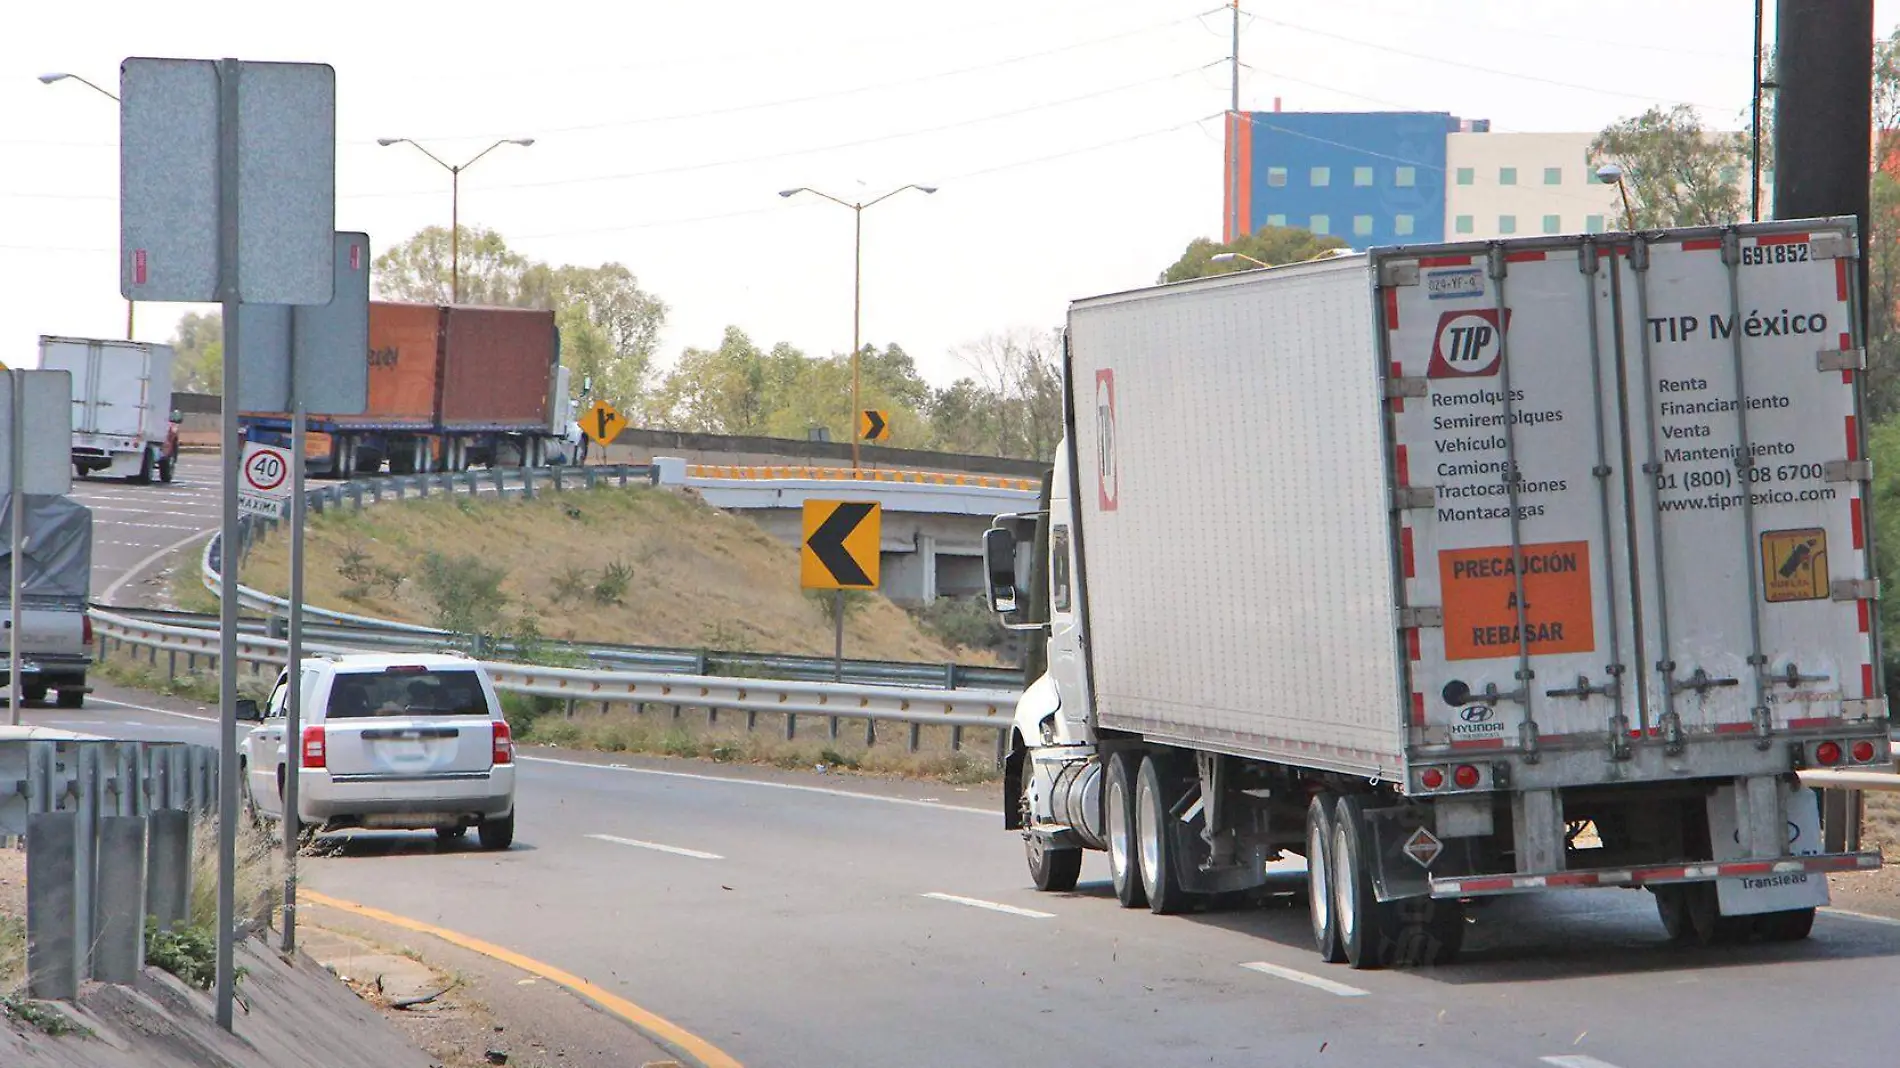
(1402, 456)
(1405, 553)
(1748, 867)
(1481, 886)
(1840, 286)
(1412, 648)
(1445, 261)
(1523, 257)
(1418, 707)
(1853, 438)
(1734, 728)
(1481, 743)
(1810, 721)
(138, 267)
(1783, 239)
(1860, 523)
(1392, 313)
(1396, 372)
(1702, 244)
(1866, 616)
(1866, 680)
(1577, 878)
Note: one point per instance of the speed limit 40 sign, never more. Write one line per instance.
(264, 480)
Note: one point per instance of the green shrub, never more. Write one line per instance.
(466, 592)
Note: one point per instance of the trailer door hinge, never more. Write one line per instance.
(1395, 273)
(1848, 471)
(1855, 590)
(1854, 359)
(1406, 498)
(1417, 616)
(1403, 386)
(1833, 247)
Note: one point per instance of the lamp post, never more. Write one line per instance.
(455, 200)
(1611, 174)
(1229, 257)
(857, 283)
(60, 76)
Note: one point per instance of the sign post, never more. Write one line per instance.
(227, 197)
(839, 552)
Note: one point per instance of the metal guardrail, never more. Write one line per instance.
(776, 472)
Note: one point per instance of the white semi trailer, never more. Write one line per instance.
(1460, 570)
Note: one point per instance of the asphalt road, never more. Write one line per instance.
(132, 522)
(809, 920)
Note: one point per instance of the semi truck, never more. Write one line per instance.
(449, 387)
(1457, 570)
(123, 425)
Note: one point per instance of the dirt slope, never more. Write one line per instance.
(694, 576)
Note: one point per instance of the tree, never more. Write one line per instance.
(198, 353)
(717, 391)
(1676, 172)
(1012, 406)
(1272, 245)
(417, 270)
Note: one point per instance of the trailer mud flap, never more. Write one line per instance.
(1408, 853)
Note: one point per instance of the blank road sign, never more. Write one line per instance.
(48, 427)
(327, 343)
(169, 232)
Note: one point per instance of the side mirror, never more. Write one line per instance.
(999, 570)
(248, 712)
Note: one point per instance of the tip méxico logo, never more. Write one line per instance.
(1467, 344)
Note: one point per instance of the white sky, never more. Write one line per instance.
(1074, 140)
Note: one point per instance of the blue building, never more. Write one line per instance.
(1368, 178)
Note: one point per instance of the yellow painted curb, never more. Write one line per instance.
(656, 1027)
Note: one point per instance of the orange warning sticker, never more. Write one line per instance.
(1794, 565)
(1480, 600)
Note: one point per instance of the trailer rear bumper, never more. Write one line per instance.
(1653, 875)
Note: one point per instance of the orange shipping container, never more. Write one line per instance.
(497, 369)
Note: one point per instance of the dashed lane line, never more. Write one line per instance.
(993, 906)
(1294, 975)
(656, 847)
(1576, 1060)
(729, 781)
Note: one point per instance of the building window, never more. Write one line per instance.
(1507, 224)
(1466, 176)
(1322, 176)
(1405, 177)
(1319, 224)
(1507, 175)
(1402, 225)
(1593, 223)
(1462, 224)
(1276, 220)
(1362, 176)
(1362, 226)
(1553, 176)
(1276, 177)
(1553, 224)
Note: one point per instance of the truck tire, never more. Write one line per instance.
(1051, 868)
(166, 466)
(1118, 826)
(145, 466)
(72, 698)
(1160, 879)
(1689, 913)
(33, 691)
(1381, 934)
(1321, 903)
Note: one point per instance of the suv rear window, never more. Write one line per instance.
(359, 695)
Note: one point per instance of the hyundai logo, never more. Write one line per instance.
(1477, 714)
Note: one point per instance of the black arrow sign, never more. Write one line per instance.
(605, 421)
(827, 543)
(873, 424)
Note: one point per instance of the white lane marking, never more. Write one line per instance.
(1576, 1060)
(1304, 979)
(149, 708)
(993, 906)
(161, 554)
(1849, 914)
(675, 850)
(853, 794)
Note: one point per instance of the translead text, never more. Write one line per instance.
(1783, 323)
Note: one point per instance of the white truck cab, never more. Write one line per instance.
(387, 742)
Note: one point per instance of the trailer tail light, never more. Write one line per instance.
(1828, 754)
(1863, 752)
(1466, 776)
(504, 744)
(313, 749)
(85, 629)
(1431, 778)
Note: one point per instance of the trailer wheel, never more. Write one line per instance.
(1790, 926)
(145, 466)
(166, 466)
(1118, 824)
(1689, 912)
(72, 698)
(1319, 878)
(33, 691)
(1160, 879)
(1050, 868)
(1365, 927)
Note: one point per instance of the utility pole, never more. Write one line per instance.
(1233, 130)
(1754, 169)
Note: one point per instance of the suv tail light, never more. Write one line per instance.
(314, 755)
(504, 743)
(85, 629)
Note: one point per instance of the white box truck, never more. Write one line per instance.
(1473, 569)
(123, 425)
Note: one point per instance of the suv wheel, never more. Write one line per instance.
(498, 832)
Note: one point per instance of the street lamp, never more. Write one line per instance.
(1229, 257)
(1611, 174)
(455, 200)
(857, 283)
(60, 76)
